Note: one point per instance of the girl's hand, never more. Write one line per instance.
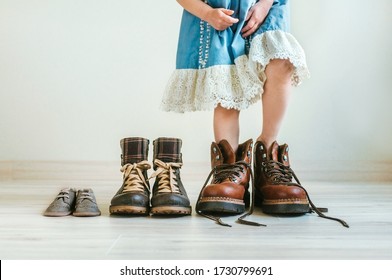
(256, 16)
(220, 18)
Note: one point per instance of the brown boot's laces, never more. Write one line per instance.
(227, 171)
(284, 174)
(168, 178)
(134, 180)
(222, 172)
(278, 172)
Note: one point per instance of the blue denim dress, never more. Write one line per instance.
(221, 67)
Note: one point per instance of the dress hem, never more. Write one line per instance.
(234, 86)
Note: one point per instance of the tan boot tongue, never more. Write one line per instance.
(227, 152)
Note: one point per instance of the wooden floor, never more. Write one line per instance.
(26, 234)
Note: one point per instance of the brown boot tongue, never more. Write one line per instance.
(274, 151)
(227, 152)
(284, 154)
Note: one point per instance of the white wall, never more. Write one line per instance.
(76, 76)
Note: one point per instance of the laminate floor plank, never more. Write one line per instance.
(26, 234)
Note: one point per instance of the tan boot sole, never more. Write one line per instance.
(171, 210)
(128, 210)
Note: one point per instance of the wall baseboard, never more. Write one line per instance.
(344, 170)
(356, 171)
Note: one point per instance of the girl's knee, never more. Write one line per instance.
(280, 67)
(219, 110)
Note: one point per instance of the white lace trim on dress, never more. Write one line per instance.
(278, 44)
(233, 86)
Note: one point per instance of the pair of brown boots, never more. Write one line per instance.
(273, 188)
(168, 195)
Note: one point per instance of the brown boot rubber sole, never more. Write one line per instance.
(224, 205)
(297, 206)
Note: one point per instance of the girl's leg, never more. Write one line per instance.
(226, 126)
(275, 98)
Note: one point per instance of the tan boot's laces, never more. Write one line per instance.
(166, 173)
(133, 176)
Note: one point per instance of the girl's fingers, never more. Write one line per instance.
(228, 18)
(222, 19)
(249, 29)
(249, 26)
(250, 12)
(228, 12)
(249, 32)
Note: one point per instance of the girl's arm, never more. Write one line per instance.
(218, 18)
(256, 16)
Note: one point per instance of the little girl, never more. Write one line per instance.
(232, 53)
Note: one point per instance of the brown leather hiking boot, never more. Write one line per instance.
(229, 188)
(168, 196)
(133, 197)
(275, 189)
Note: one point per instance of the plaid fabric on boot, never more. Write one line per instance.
(134, 150)
(133, 197)
(168, 149)
(169, 196)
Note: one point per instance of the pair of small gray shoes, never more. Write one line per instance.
(81, 203)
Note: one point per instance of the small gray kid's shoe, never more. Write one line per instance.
(63, 204)
(86, 205)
